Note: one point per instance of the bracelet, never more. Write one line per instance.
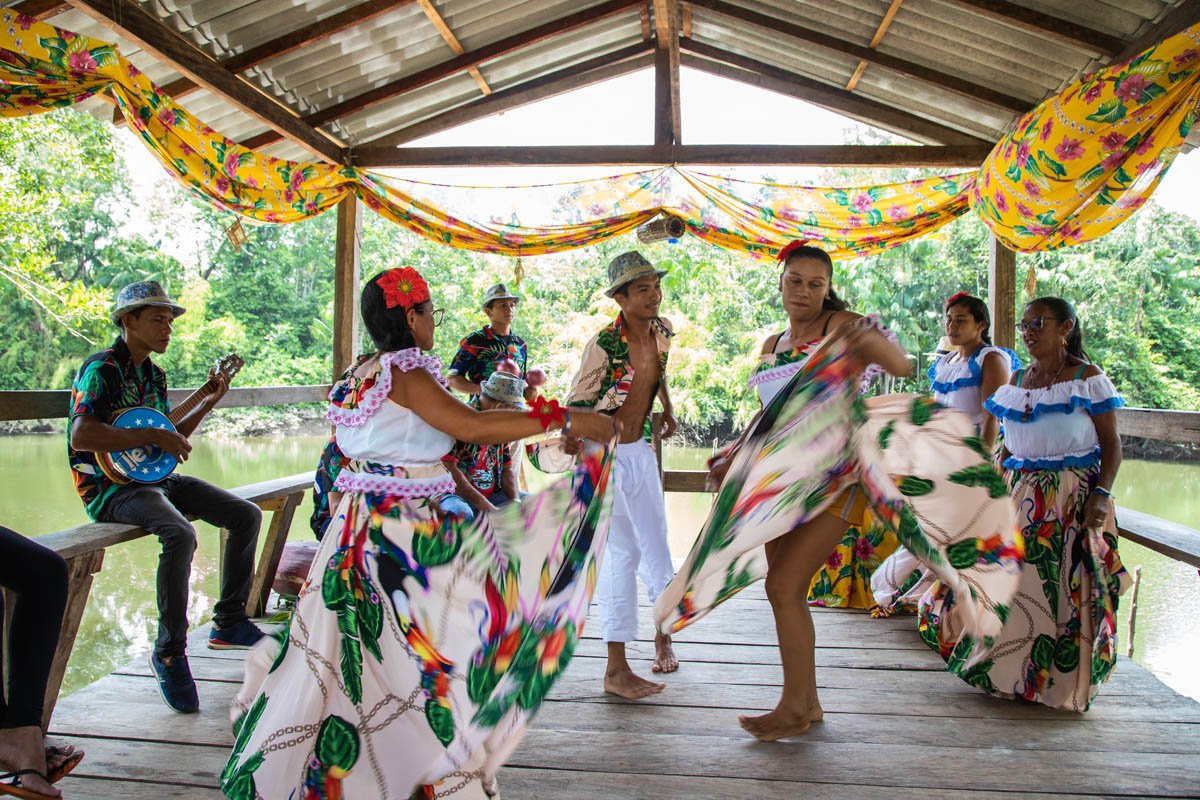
(548, 412)
(1100, 490)
(566, 428)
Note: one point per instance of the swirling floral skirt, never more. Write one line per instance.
(844, 581)
(1060, 639)
(924, 474)
(420, 646)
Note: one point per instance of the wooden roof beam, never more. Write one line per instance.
(132, 22)
(722, 63)
(709, 154)
(975, 91)
(1182, 17)
(436, 19)
(287, 43)
(668, 117)
(40, 10)
(1034, 21)
(880, 32)
(576, 76)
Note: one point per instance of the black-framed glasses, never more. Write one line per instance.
(1034, 323)
(439, 314)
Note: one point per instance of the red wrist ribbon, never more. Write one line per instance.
(547, 412)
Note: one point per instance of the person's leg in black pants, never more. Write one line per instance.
(38, 578)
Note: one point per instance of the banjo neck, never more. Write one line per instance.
(191, 402)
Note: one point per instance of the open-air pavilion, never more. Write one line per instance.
(352, 84)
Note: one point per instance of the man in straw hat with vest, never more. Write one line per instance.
(123, 376)
(484, 350)
(623, 370)
(484, 476)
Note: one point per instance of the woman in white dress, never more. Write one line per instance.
(420, 645)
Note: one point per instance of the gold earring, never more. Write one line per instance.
(1064, 341)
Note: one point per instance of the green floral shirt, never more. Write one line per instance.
(605, 374)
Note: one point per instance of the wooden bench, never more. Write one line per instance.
(83, 548)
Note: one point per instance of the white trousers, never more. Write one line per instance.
(637, 543)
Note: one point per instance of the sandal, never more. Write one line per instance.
(70, 762)
(10, 785)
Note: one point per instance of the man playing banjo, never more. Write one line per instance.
(123, 376)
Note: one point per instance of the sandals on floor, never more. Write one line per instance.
(10, 785)
(72, 759)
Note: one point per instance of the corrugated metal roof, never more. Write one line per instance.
(945, 35)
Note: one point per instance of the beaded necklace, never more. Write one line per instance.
(1029, 389)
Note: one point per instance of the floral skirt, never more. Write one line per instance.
(1060, 639)
(420, 647)
(922, 472)
(844, 581)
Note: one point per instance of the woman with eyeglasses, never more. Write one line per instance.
(421, 644)
(1061, 454)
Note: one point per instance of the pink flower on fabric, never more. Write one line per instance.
(1001, 201)
(1131, 87)
(222, 184)
(1144, 146)
(1024, 210)
(1049, 126)
(1093, 92)
(7, 57)
(25, 21)
(133, 71)
(81, 61)
(1069, 149)
(862, 202)
(834, 561)
(167, 118)
(1185, 57)
(297, 178)
(1112, 141)
(1040, 230)
(231, 164)
(372, 202)
(1023, 153)
(288, 195)
(26, 100)
(863, 548)
(897, 212)
(1145, 167)
(854, 221)
(1032, 189)
(1113, 160)
(1072, 230)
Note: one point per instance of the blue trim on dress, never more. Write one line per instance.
(1093, 409)
(1032, 464)
(976, 376)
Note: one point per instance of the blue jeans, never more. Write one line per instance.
(454, 505)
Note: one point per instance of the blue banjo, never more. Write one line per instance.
(151, 464)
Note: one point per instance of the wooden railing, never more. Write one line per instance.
(84, 546)
(56, 403)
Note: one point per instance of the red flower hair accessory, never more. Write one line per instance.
(403, 287)
(955, 298)
(548, 412)
(790, 248)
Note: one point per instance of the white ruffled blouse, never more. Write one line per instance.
(1051, 428)
(956, 381)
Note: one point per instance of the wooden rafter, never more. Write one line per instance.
(1183, 16)
(880, 32)
(1034, 21)
(586, 73)
(668, 118)
(439, 22)
(130, 21)
(710, 154)
(41, 9)
(983, 94)
(685, 24)
(287, 43)
(644, 19)
(716, 61)
(455, 65)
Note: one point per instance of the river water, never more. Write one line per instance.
(37, 496)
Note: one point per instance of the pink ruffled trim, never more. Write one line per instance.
(775, 373)
(393, 485)
(403, 360)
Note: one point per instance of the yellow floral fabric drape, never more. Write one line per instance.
(1070, 171)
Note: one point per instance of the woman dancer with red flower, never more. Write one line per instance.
(421, 644)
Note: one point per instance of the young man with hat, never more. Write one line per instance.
(483, 350)
(123, 376)
(623, 369)
(484, 475)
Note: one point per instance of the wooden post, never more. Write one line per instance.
(282, 510)
(345, 292)
(1002, 294)
(80, 570)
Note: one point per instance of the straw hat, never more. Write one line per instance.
(504, 387)
(142, 294)
(629, 267)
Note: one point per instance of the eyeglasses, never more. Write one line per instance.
(438, 315)
(1034, 323)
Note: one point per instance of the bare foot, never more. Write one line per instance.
(625, 683)
(780, 724)
(664, 655)
(22, 748)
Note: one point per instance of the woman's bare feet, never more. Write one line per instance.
(664, 655)
(624, 682)
(21, 749)
(780, 723)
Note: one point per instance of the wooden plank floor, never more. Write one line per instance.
(897, 727)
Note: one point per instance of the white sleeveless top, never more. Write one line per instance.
(1052, 428)
(956, 381)
(404, 451)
